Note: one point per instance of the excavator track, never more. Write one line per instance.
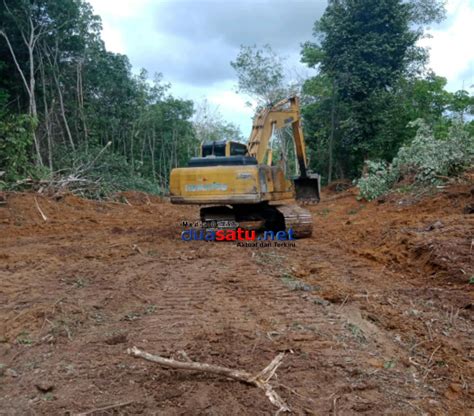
(273, 217)
(298, 219)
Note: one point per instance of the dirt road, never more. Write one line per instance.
(374, 311)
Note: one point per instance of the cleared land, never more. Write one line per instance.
(374, 311)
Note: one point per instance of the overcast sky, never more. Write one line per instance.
(191, 42)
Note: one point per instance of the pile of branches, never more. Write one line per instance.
(59, 185)
(76, 181)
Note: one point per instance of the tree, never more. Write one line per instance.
(209, 125)
(260, 74)
(364, 47)
(26, 17)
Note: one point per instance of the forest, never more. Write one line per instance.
(71, 109)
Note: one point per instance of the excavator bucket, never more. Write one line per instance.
(308, 188)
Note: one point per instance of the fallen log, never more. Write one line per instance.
(260, 380)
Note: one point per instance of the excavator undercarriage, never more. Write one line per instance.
(261, 217)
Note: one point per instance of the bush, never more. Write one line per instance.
(15, 143)
(431, 159)
(428, 159)
(379, 179)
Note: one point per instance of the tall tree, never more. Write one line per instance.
(260, 74)
(28, 17)
(364, 47)
(263, 76)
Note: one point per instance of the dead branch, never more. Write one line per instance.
(58, 185)
(45, 218)
(260, 380)
(428, 366)
(90, 164)
(138, 249)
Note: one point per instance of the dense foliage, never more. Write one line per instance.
(63, 96)
(426, 160)
(372, 83)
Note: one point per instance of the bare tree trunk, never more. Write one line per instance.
(47, 118)
(30, 43)
(162, 165)
(80, 101)
(132, 139)
(63, 114)
(151, 144)
(331, 134)
(142, 153)
(61, 132)
(175, 147)
(63, 110)
(56, 75)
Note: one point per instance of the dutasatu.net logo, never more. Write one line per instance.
(225, 231)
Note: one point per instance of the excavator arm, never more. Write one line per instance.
(279, 115)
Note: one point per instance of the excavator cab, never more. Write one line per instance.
(222, 152)
(223, 148)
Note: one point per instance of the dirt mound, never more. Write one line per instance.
(340, 185)
(432, 234)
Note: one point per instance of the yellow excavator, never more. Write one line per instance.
(237, 183)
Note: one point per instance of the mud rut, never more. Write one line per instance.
(75, 296)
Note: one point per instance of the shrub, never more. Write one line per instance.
(428, 159)
(378, 180)
(15, 143)
(431, 159)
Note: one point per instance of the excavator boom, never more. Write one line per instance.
(283, 113)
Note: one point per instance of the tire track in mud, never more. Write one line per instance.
(243, 312)
(243, 299)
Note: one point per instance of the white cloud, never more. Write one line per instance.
(121, 9)
(451, 48)
(170, 37)
(115, 14)
(112, 37)
(120, 16)
(233, 107)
